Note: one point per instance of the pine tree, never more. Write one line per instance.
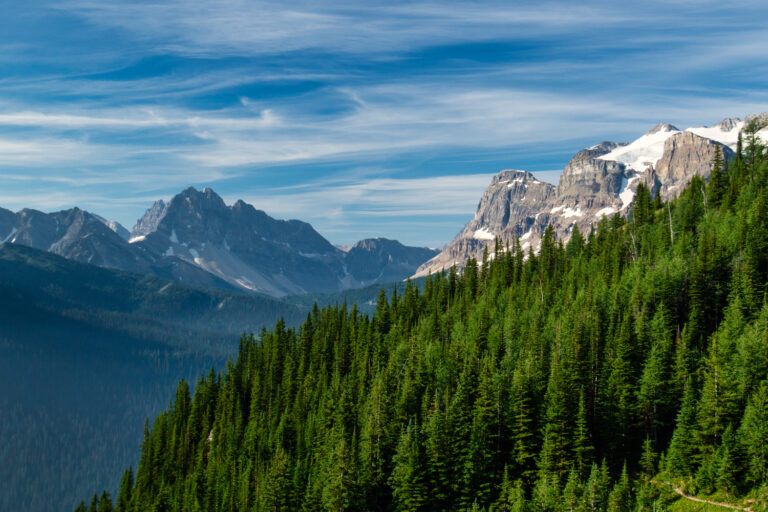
(511, 496)
(546, 494)
(718, 179)
(105, 503)
(648, 460)
(582, 443)
(277, 485)
(620, 499)
(408, 480)
(572, 491)
(596, 491)
(125, 492)
(682, 453)
(754, 433)
(94, 503)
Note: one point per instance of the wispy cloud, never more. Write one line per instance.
(388, 203)
(124, 101)
(234, 26)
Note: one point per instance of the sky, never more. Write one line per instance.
(362, 118)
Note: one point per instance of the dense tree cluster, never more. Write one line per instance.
(572, 379)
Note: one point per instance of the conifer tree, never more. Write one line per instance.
(511, 496)
(682, 453)
(754, 433)
(408, 480)
(620, 499)
(125, 492)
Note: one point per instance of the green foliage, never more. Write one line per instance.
(500, 388)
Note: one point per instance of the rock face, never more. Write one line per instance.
(590, 181)
(148, 223)
(511, 207)
(685, 156)
(197, 239)
(598, 181)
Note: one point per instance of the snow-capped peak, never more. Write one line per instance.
(645, 151)
(726, 132)
(662, 127)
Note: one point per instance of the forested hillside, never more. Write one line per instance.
(86, 354)
(584, 377)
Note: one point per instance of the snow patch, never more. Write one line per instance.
(174, 238)
(729, 138)
(483, 234)
(164, 288)
(246, 283)
(135, 239)
(643, 152)
(609, 210)
(194, 254)
(626, 194)
(570, 212)
(226, 245)
(169, 251)
(556, 209)
(527, 234)
(10, 235)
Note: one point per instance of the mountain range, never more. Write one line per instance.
(197, 239)
(599, 181)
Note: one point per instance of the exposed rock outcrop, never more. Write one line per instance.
(685, 156)
(597, 182)
(149, 221)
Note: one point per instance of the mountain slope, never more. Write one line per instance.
(87, 354)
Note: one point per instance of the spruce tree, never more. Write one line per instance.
(408, 480)
(754, 433)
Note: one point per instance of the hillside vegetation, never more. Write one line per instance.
(585, 377)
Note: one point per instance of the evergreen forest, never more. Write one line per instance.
(594, 375)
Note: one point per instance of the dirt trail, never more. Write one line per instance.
(716, 503)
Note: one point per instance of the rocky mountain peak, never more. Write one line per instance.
(595, 151)
(373, 243)
(199, 200)
(728, 124)
(149, 221)
(381, 259)
(662, 127)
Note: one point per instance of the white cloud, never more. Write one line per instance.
(258, 27)
(138, 118)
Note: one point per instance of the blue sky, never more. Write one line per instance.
(363, 118)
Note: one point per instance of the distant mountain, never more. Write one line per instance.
(87, 354)
(598, 181)
(197, 239)
(380, 260)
